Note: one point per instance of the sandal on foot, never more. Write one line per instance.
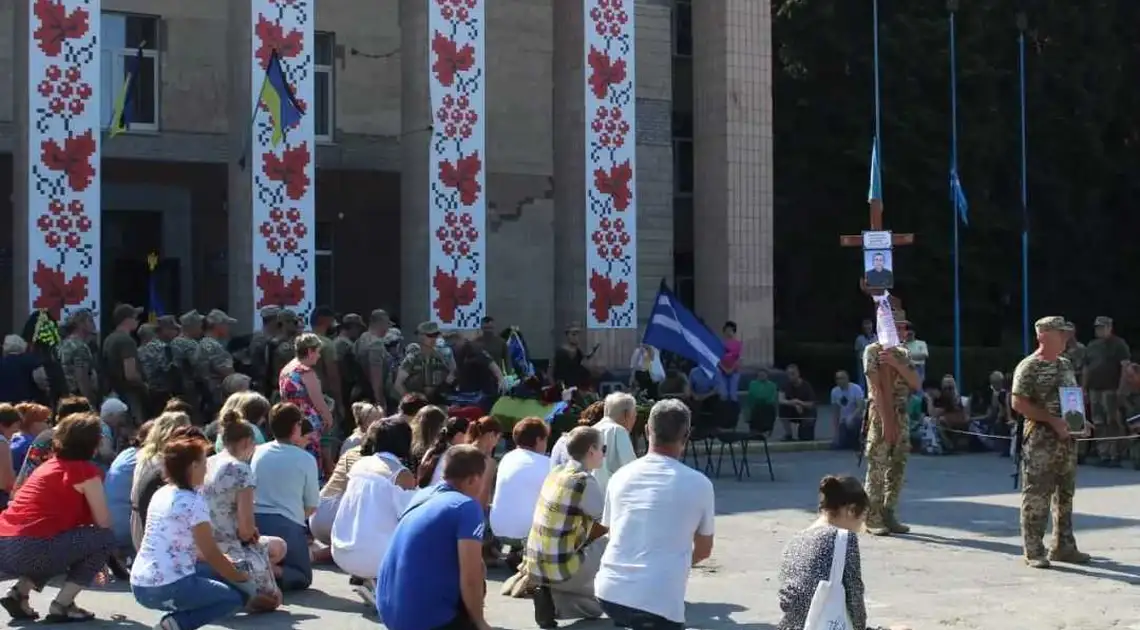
(18, 607)
(58, 613)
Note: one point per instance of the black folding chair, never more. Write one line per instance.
(727, 421)
(703, 432)
(761, 421)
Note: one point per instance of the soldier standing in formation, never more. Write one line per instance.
(156, 360)
(76, 358)
(120, 362)
(1049, 454)
(184, 354)
(891, 378)
(280, 350)
(351, 327)
(372, 357)
(259, 343)
(215, 362)
(1105, 359)
(322, 322)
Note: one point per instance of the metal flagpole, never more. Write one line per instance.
(878, 100)
(952, 6)
(1022, 22)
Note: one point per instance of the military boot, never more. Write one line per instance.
(893, 524)
(1037, 563)
(876, 524)
(1069, 555)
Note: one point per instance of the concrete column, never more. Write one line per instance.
(239, 199)
(732, 85)
(415, 125)
(20, 275)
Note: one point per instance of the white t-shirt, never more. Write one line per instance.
(654, 507)
(168, 553)
(517, 486)
(367, 515)
(617, 447)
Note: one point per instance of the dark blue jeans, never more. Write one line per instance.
(297, 568)
(626, 617)
(193, 601)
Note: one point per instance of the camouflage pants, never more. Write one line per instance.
(886, 465)
(1108, 422)
(1130, 406)
(1048, 480)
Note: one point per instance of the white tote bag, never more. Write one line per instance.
(829, 603)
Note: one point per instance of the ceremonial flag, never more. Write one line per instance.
(875, 189)
(674, 328)
(278, 98)
(958, 196)
(126, 104)
(154, 303)
(520, 362)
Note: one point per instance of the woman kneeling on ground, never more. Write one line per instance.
(166, 574)
(58, 524)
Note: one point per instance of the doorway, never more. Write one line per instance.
(129, 237)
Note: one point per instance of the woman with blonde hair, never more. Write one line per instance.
(250, 407)
(299, 385)
(363, 415)
(148, 468)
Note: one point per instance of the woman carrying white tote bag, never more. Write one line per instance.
(829, 603)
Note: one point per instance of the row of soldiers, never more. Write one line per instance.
(194, 358)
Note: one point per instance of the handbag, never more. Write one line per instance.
(829, 603)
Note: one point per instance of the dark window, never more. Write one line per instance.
(683, 168)
(683, 28)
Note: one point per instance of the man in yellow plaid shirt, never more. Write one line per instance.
(566, 541)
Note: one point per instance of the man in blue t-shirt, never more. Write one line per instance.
(432, 576)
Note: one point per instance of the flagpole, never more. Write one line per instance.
(1022, 23)
(878, 100)
(952, 6)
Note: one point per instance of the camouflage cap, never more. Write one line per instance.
(352, 319)
(123, 312)
(191, 318)
(148, 330)
(379, 316)
(1052, 323)
(427, 328)
(1102, 320)
(287, 316)
(79, 315)
(218, 316)
(166, 321)
(269, 312)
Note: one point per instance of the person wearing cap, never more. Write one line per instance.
(280, 350)
(159, 371)
(259, 341)
(1049, 453)
(372, 358)
(351, 327)
(891, 378)
(215, 362)
(322, 322)
(425, 372)
(184, 355)
(76, 358)
(1105, 359)
(120, 356)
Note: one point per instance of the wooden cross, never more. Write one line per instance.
(856, 240)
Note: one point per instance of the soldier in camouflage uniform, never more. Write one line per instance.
(1075, 352)
(258, 343)
(427, 371)
(1049, 454)
(351, 327)
(76, 358)
(156, 361)
(184, 354)
(215, 362)
(372, 357)
(280, 348)
(1105, 359)
(322, 322)
(891, 377)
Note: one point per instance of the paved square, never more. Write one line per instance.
(961, 568)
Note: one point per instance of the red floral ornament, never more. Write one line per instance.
(456, 117)
(289, 169)
(56, 25)
(73, 159)
(272, 37)
(450, 59)
(457, 234)
(451, 294)
(610, 127)
(604, 72)
(283, 231)
(615, 183)
(276, 292)
(56, 291)
(607, 295)
(463, 176)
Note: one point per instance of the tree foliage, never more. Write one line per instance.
(1083, 103)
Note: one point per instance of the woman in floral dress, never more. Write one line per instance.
(229, 490)
(298, 384)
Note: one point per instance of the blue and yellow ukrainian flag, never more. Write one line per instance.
(278, 98)
(154, 302)
(126, 105)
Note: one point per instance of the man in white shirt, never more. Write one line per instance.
(620, 417)
(660, 518)
(847, 398)
(518, 483)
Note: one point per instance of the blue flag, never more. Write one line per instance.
(875, 188)
(154, 302)
(520, 362)
(278, 97)
(958, 196)
(127, 101)
(674, 328)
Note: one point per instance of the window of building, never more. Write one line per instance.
(683, 166)
(324, 91)
(121, 37)
(683, 245)
(323, 253)
(682, 28)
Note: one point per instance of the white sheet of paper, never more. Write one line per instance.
(885, 321)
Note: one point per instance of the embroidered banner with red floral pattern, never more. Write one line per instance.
(457, 207)
(611, 167)
(63, 154)
(284, 212)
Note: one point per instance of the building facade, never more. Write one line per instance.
(176, 182)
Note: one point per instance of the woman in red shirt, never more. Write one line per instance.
(58, 524)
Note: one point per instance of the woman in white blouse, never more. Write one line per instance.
(379, 488)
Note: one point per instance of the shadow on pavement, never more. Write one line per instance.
(711, 615)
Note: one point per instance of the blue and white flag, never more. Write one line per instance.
(673, 328)
(520, 362)
(958, 196)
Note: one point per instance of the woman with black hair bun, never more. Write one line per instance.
(807, 559)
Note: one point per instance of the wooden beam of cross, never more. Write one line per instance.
(876, 225)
